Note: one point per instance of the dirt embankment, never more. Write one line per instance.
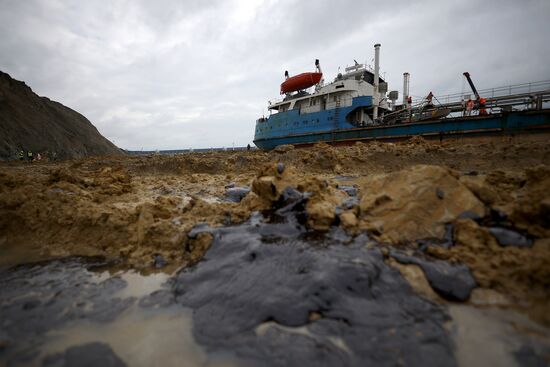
(37, 124)
(484, 205)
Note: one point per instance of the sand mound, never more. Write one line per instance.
(414, 203)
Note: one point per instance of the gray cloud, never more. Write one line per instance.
(177, 74)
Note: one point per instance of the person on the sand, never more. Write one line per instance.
(29, 156)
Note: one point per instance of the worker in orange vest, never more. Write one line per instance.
(469, 107)
(482, 110)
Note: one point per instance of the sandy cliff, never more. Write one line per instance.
(31, 122)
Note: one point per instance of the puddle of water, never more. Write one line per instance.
(141, 285)
(262, 329)
(139, 336)
(490, 337)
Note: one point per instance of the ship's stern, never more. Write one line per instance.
(260, 131)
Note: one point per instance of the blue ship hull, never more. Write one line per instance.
(331, 127)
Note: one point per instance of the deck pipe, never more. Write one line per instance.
(406, 78)
(376, 80)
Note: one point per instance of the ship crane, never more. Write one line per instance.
(480, 101)
(467, 75)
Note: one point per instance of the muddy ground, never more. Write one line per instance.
(464, 223)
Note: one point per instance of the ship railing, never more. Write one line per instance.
(504, 91)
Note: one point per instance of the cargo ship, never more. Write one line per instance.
(356, 106)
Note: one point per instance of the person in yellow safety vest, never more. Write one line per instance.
(29, 156)
(469, 107)
(21, 155)
(482, 110)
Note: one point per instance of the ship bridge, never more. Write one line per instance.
(337, 94)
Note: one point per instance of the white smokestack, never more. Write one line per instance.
(406, 77)
(376, 80)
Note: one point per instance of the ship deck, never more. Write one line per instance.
(501, 124)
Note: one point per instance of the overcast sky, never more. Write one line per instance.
(190, 73)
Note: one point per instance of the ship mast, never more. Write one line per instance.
(318, 70)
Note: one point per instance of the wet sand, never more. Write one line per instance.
(460, 223)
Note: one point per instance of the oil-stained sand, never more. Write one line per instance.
(462, 222)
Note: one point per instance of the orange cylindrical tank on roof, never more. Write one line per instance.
(300, 81)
